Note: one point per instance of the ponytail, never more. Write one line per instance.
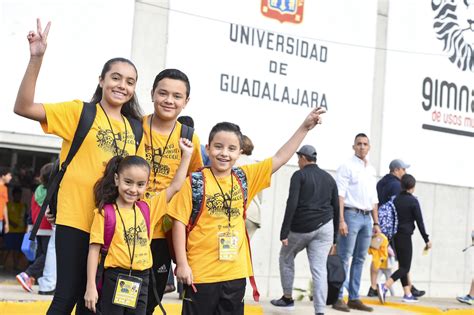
(105, 190)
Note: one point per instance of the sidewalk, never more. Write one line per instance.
(14, 300)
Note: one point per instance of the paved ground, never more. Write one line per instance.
(14, 300)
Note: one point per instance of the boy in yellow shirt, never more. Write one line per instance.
(161, 134)
(213, 259)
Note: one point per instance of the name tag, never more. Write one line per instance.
(228, 246)
(127, 289)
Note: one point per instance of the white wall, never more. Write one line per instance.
(415, 57)
(83, 36)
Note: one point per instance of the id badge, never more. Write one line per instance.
(228, 246)
(127, 289)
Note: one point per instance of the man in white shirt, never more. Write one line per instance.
(356, 183)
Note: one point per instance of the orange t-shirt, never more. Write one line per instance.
(3, 199)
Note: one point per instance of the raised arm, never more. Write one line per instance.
(289, 148)
(186, 147)
(24, 104)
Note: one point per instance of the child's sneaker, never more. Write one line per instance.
(25, 281)
(284, 303)
(410, 299)
(381, 292)
(465, 299)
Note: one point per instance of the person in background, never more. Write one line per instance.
(356, 183)
(5, 178)
(35, 270)
(252, 221)
(468, 298)
(409, 212)
(387, 187)
(17, 214)
(311, 221)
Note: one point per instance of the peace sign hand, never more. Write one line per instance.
(314, 118)
(38, 40)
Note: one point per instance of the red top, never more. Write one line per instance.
(35, 210)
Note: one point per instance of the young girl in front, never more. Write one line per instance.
(213, 260)
(110, 135)
(123, 184)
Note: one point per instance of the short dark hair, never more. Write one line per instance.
(360, 134)
(407, 182)
(4, 170)
(226, 126)
(174, 74)
(307, 157)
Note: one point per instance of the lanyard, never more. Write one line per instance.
(113, 134)
(225, 205)
(131, 255)
(155, 169)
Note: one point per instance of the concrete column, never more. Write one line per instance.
(378, 97)
(149, 45)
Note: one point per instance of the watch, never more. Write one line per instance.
(376, 223)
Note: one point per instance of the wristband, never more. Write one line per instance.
(376, 224)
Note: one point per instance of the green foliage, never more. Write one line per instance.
(305, 292)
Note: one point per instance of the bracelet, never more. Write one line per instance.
(376, 224)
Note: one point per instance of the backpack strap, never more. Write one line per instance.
(109, 226)
(395, 216)
(109, 230)
(198, 189)
(242, 180)
(137, 129)
(86, 120)
(187, 132)
(143, 206)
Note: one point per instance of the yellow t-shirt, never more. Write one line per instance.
(202, 246)
(165, 162)
(118, 255)
(75, 198)
(16, 215)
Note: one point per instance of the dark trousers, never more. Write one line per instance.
(404, 251)
(107, 295)
(218, 298)
(72, 247)
(160, 270)
(35, 270)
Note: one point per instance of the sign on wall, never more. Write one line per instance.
(265, 64)
(429, 90)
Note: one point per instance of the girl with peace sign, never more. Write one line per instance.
(110, 135)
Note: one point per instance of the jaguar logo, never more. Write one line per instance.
(454, 25)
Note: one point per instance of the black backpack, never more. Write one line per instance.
(86, 120)
(336, 278)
